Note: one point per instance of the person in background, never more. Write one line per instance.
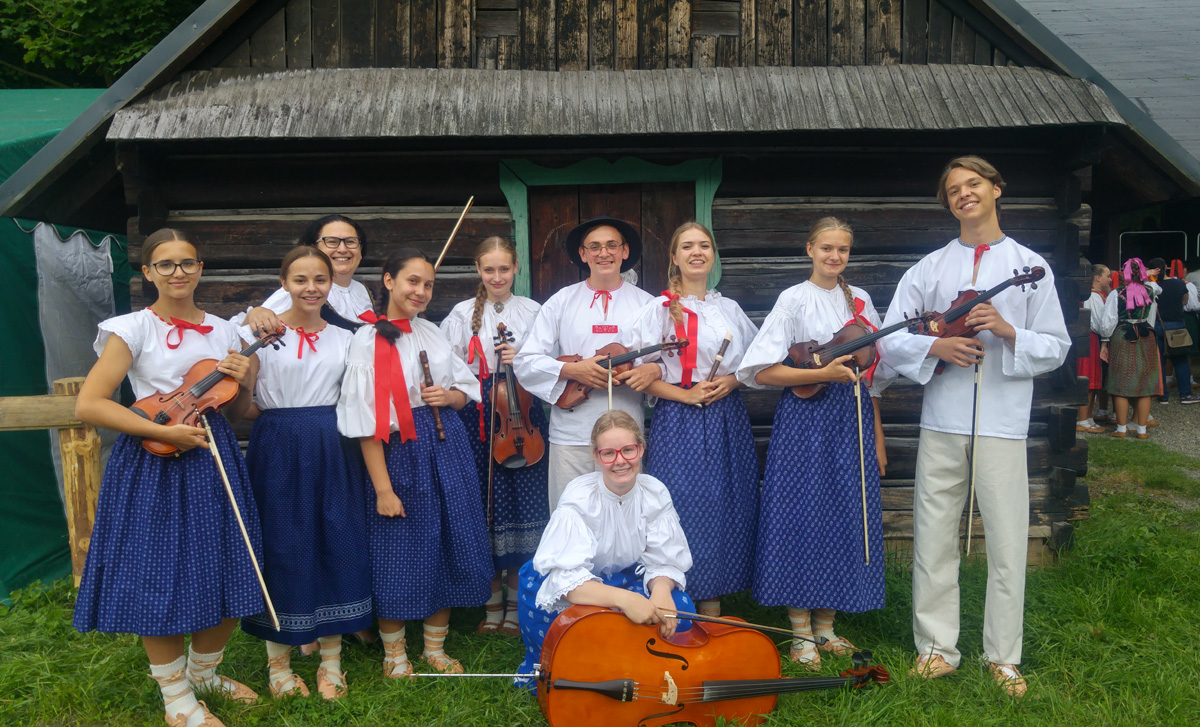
(1095, 365)
(1177, 299)
(1133, 366)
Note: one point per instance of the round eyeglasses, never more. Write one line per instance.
(628, 453)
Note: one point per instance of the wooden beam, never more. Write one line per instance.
(80, 449)
(21, 413)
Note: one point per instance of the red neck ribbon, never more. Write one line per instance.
(604, 295)
(859, 318)
(180, 327)
(688, 355)
(306, 337)
(475, 348)
(390, 384)
(979, 251)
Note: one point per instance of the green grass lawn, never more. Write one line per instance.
(1112, 637)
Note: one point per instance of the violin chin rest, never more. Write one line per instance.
(514, 462)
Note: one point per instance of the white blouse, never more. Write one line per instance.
(1095, 305)
(1006, 387)
(715, 315)
(303, 372)
(517, 316)
(356, 405)
(157, 368)
(808, 312)
(576, 321)
(594, 533)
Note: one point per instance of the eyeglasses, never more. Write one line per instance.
(333, 243)
(610, 246)
(628, 453)
(166, 268)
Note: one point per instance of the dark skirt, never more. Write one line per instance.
(705, 457)
(1133, 365)
(810, 528)
(308, 482)
(520, 505)
(166, 555)
(437, 556)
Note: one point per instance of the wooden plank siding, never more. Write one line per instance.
(612, 34)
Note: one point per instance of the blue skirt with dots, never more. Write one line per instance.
(705, 457)
(810, 527)
(308, 481)
(520, 504)
(166, 555)
(437, 556)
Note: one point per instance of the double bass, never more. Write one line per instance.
(517, 442)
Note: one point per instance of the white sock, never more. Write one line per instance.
(822, 623)
(395, 654)
(177, 695)
(709, 607)
(331, 658)
(1121, 428)
(1084, 423)
(202, 670)
(802, 626)
(493, 610)
(279, 670)
(1141, 429)
(435, 641)
(510, 608)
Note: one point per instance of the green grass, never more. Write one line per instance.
(1111, 638)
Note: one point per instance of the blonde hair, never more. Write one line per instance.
(616, 419)
(491, 244)
(827, 224)
(674, 276)
(976, 164)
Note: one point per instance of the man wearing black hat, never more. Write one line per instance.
(579, 319)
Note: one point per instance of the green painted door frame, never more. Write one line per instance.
(518, 175)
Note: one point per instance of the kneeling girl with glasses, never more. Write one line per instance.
(613, 540)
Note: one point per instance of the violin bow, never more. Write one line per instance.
(971, 477)
(237, 513)
(492, 427)
(819, 641)
(453, 232)
(862, 461)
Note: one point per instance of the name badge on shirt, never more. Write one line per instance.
(599, 328)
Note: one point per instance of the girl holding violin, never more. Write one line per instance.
(308, 485)
(614, 540)
(701, 446)
(518, 495)
(427, 538)
(166, 556)
(810, 552)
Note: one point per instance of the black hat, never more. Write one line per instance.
(574, 240)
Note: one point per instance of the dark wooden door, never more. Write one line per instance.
(654, 208)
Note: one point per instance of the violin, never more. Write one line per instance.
(204, 390)
(517, 443)
(853, 339)
(618, 359)
(709, 672)
(953, 323)
(437, 415)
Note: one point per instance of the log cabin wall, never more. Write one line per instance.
(611, 34)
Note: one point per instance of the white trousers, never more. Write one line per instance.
(1002, 497)
(566, 463)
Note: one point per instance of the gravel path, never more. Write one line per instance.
(1178, 426)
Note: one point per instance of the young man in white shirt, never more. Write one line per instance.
(1023, 333)
(579, 319)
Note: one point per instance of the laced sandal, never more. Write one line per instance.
(327, 687)
(488, 626)
(509, 626)
(395, 654)
(291, 686)
(442, 663)
(931, 666)
(232, 688)
(180, 720)
(838, 646)
(805, 654)
(1009, 679)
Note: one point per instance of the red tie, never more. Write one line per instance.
(859, 318)
(180, 327)
(306, 337)
(688, 355)
(475, 348)
(390, 384)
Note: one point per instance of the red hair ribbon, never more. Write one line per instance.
(688, 355)
(390, 384)
(180, 327)
(306, 337)
(1176, 268)
(859, 306)
(475, 348)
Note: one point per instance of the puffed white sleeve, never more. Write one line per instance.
(1193, 303)
(463, 379)
(564, 556)
(457, 332)
(667, 552)
(770, 345)
(1106, 322)
(123, 327)
(647, 330)
(356, 405)
(535, 365)
(744, 328)
(1042, 342)
(908, 353)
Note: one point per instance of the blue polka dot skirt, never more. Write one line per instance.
(705, 457)
(166, 555)
(535, 622)
(520, 505)
(810, 540)
(437, 557)
(308, 482)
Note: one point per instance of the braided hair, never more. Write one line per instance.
(392, 267)
(491, 244)
(674, 276)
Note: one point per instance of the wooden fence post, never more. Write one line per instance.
(80, 449)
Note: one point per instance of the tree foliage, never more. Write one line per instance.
(83, 42)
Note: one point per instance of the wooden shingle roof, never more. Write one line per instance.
(399, 103)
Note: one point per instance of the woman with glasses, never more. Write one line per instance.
(344, 241)
(166, 556)
(614, 540)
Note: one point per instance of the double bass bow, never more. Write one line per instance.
(517, 443)
(617, 359)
